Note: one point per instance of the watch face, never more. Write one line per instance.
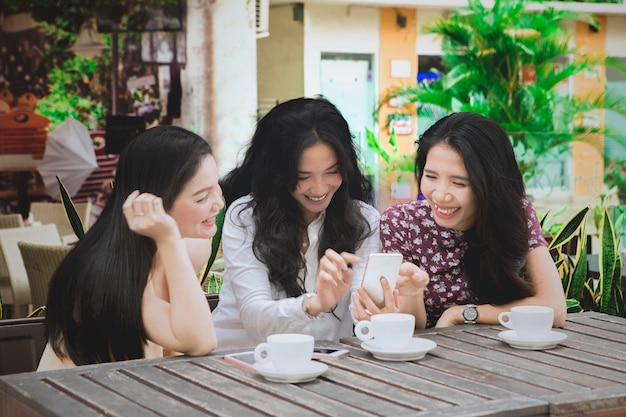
(470, 313)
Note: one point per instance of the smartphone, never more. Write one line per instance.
(381, 265)
(243, 359)
(329, 353)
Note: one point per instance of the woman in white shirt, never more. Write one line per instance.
(296, 229)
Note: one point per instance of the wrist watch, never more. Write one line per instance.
(470, 314)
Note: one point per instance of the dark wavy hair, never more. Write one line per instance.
(269, 173)
(94, 303)
(498, 241)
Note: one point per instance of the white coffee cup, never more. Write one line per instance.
(288, 352)
(389, 331)
(529, 322)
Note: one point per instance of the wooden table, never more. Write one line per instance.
(470, 373)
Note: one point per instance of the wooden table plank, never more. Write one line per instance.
(561, 362)
(294, 393)
(64, 394)
(148, 395)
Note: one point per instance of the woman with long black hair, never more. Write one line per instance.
(129, 288)
(297, 226)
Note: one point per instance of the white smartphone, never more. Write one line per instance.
(381, 265)
(329, 353)
(243, 359)
(246, 359)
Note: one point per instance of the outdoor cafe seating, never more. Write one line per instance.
(19, 296)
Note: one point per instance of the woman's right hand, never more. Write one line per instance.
(334, 280)
(146, 216)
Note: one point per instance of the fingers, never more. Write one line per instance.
(390, 298)
(360, 313)
(368, 304)
(142, 205)
(343, 261)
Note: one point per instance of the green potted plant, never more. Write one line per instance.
(584, 292)
(508, 62)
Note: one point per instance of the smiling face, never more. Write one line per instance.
(318, 179)
(446, 186)
(199, 202)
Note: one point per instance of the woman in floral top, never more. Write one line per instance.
(474, 240)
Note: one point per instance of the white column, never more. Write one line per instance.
(220, 81)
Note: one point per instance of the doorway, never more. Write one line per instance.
(347, 80)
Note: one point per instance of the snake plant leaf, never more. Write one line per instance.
(70, 211)
(215, 245)
(569, 229)
(607, 258)
(579, 275)
(573, 306)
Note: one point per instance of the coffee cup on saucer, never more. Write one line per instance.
(288, 352)
(531, 323)
(388, 331)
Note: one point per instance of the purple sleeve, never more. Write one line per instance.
(394, 231)
(535, 235)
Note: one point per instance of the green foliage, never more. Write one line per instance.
(615, 177)
(394, 161)
(569, 249)
(75, 92)
(490, 56)
(214, 283)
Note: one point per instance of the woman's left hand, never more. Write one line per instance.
(451, 317)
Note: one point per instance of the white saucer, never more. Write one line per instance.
(553, 339)
(416, 349)
(312, 371)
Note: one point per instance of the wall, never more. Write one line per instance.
(280, 64)
(588, 160)
(330, 28)
(397, 49)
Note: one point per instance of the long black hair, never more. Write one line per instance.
(94, 303)
(498, 241)
(269, 173)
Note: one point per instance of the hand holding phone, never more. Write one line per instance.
(381, 265)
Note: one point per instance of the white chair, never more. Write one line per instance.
(11, 220)
(8, 221)
(47, 212)
(41, 262)
(46, 235)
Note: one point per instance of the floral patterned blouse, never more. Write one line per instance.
(410, 229)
